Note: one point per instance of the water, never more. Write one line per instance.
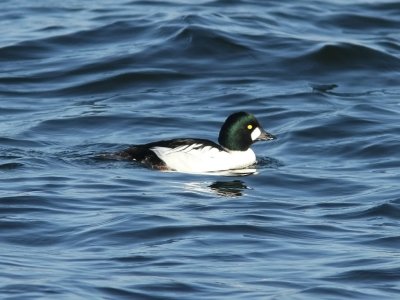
(319, 220)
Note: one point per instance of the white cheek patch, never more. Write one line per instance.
(255, 134)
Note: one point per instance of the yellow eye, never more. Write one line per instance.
(249, 127)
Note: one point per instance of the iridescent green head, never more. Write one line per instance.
(240, 130)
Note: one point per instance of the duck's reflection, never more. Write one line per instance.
(233, 188)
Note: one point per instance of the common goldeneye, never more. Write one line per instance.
(239, 131)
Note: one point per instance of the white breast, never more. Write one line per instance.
(197, 158)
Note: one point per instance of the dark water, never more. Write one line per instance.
(321, 218)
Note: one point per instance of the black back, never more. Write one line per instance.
(144, 154)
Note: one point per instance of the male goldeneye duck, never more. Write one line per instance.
(239, 131)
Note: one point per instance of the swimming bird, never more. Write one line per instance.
(190, 155)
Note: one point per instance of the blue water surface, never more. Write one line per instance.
(320, 218)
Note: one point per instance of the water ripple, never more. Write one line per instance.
(316, 218)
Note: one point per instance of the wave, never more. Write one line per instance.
(343, 56)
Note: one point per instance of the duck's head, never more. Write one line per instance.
(240, 130)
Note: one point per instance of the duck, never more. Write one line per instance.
(194, 155)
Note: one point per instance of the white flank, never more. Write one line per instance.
(197, 158)
(255, 134)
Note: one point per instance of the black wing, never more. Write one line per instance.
(144, 154)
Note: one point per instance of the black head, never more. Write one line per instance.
(240, 130)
